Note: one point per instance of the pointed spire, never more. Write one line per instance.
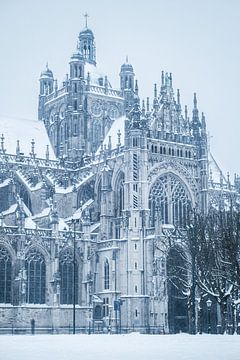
(127, 59)
(109, 143)
(195, 101)
(143, 107)
(18, 148)
(148, 105)
(119, 137)
(186, 112)
(136, 87)
(162, 78)
(33, 147)
(170, 79)
(155, 91)
(203, 121)
(2, 143)
(178, 96)
(47, 152)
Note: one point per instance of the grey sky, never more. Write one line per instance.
(198, 41)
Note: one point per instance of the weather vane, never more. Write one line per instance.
(86, 16)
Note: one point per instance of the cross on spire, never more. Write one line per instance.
(86, 16)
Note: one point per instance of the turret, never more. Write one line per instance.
(76, 65)
(127, 83)
(127, 76)
(46, 82)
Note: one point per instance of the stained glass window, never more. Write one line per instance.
(36, 277)
(5, 276)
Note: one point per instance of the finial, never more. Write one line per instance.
(148, 106)
(178, 96)
(86, 21)
(18, 148)
(228, 177)
(47, 152)
(119, 137)
(203, 121)
(109, 143)
(33, 146)
(88, 77)
(136, 87)
(2, 143)
(186, 112)
(47, 66)
(195, 100)
(162, 78)
(155, 90)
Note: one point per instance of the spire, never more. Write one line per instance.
(195, 100)
(170, 79)
(178, 96)
(203, 121)
(162, 78)
(195, 118)
(2, 143)
(143, 107)
(18, 148)
(148, 106)
(136, 87)
(186, 112)
(127, 59)
(155, 91)
(155, 100)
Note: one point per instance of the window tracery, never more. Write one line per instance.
(5, 276)
(66, 269)
(169, 201)
(36, 277)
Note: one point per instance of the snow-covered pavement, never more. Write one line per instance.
(116, 347)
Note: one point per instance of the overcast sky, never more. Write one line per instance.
(198, 41)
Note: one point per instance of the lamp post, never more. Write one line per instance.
(74, 276)
(209, 305)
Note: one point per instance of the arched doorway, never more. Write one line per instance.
(177, 274)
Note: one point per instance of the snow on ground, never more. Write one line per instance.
(120, 347)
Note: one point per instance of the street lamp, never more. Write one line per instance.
(209, 305)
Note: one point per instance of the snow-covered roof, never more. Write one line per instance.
(25, 130)
(118, 124)
(5, 183)
(215, 173)
(44, 213)
(95, 74)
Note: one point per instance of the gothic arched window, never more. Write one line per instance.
(169, 201)
(36, 277)
(106, 274)
(67, 278)
(5, 276)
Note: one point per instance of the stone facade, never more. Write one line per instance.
(124, 179)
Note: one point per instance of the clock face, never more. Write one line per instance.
(113, 112)
(62, 111)
(97, 108)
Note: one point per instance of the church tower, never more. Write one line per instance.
(136, 205)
